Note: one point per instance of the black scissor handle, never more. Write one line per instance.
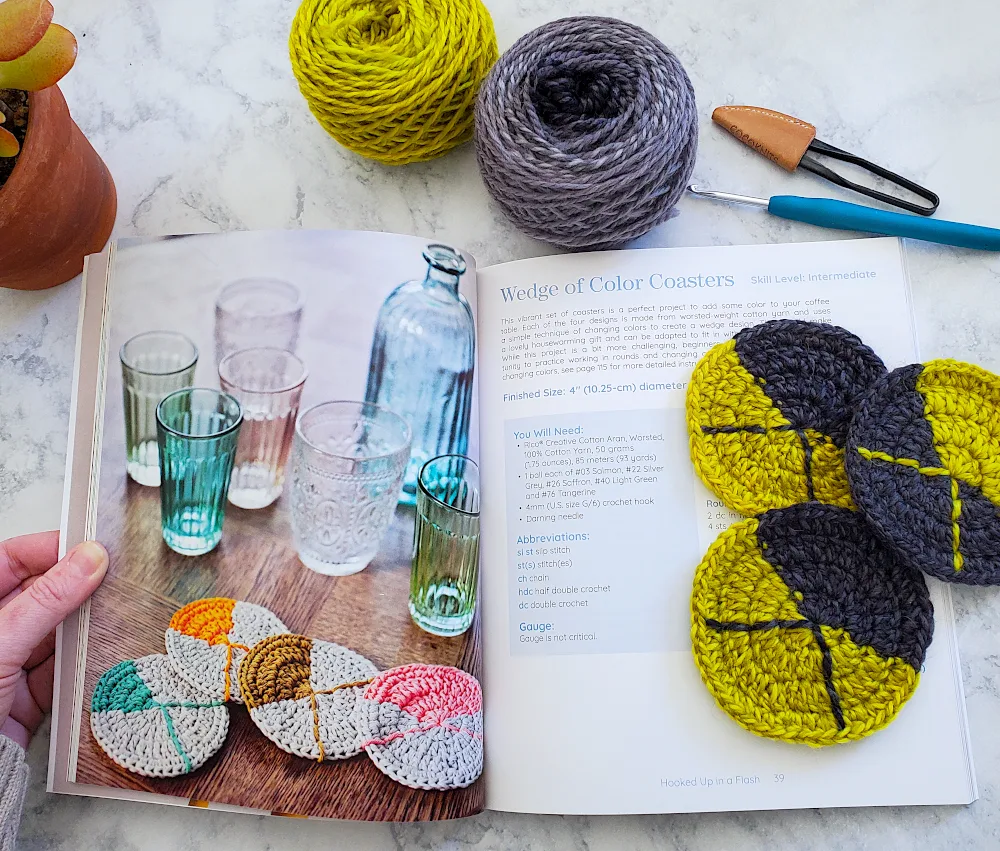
(816, 167)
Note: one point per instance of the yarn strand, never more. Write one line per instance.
(393, 81)
(586, 132)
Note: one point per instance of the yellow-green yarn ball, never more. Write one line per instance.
(393, 80)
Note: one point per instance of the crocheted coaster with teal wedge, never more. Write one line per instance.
(153, 723)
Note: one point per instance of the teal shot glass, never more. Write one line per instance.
(197, 431)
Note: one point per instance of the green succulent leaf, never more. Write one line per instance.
(43, 65)
(22, 25)
(8, 143)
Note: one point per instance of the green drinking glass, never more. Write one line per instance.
(444, 578)
(153, 364)
(196, 431)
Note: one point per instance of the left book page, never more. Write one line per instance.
(320, 730)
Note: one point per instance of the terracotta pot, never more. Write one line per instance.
(59, 203)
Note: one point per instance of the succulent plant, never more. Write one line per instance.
(34, 54)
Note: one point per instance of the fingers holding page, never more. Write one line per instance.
(30, 616)
(24, 557)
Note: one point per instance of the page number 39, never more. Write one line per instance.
(779, 778)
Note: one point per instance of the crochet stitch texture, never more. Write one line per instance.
(209, 638)
(923, 462)
(304, 695)
(768, 412)
(806, 628)
(152, 722)
(423, 726)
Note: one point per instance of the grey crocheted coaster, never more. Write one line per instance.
(423, 726)
(208, 639)
(151, 722)
(922, 460)
(304, 694)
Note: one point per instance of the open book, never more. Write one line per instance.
(592, 522)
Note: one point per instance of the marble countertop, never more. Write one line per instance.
(194, 108)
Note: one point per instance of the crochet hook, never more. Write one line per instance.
(830, 213)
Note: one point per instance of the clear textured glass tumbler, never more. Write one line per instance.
(268, 385)
(197, 431)
(153, 365)
(347, 466)
(255, 312)
(445, 575)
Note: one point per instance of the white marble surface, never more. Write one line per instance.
(193, 106)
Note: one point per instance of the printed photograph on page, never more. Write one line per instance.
(289, 492)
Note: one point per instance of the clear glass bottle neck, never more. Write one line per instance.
(441, 278)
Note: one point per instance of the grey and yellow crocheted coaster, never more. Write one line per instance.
(806, 628)
(152, 722)
(923, 460)
(304, 694)
(208, 639)
(423, 726)
(767, 413)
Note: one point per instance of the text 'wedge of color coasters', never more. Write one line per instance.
(806, 628)
(768, 413)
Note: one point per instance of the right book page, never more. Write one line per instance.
(595, 521)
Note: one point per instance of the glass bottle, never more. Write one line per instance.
(422, 360)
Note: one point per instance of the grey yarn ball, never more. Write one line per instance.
(586, 132)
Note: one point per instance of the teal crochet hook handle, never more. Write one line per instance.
(829, 213)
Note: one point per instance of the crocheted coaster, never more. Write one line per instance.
(923, 461)
(768, 411)
(151, 722)
(304, 695)
(806, 628)
(207, 640)
(423, 726)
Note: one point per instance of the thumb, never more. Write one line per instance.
(35, 612)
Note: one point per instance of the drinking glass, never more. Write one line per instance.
(153, 364)
(445, 573)
(348, 464)
(197, 429)
(268, 385)
(255, 312)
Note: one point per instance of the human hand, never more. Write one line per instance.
(36, 594)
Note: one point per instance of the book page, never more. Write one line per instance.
(595, 522)
(323, 540)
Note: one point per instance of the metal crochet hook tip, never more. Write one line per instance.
(727, 196)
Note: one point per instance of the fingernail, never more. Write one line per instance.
(89, 558)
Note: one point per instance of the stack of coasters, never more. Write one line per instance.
(152, 722)
(304, 694)
(923, 461)
(208, 639)
(805, 628)
(768, 412)
(810, 623)
(165, 715)
(423, 726)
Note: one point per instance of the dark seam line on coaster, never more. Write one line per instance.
(807, 449)
(831, 690)
(733, 626)
(750, 429)
(929, 472)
